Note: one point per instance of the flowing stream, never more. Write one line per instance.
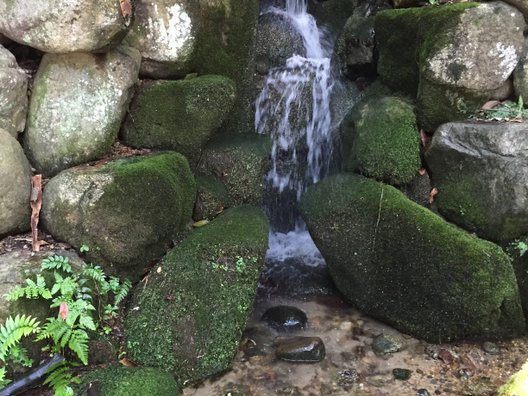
(294, 110)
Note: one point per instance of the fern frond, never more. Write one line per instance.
(14, 330)
(95, 273)
(122, 291)
(32, 290)
(78, 343)
(3, 380)
(57, 263)
(59, 378)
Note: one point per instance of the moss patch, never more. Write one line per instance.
(126, 381)
(383, 138)
(212, 198)
(401, 263)
(179, 115)
(191, 313)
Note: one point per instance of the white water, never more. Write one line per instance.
(294, 109)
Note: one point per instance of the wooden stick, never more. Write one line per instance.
(36, 204)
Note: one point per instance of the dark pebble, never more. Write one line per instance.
(491, 348)
(401, 374)
(423, 392)
(300, 349)
(285, 318)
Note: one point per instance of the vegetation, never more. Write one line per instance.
(81, 301)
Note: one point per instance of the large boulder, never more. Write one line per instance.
(277, 40)
(125, 381)
(480, 171)
(332, 15)
(240, 163)
(63, 25)
(77, 105)
(520, 76)
(176, 37)
(15, 186)
(380, 139)
(443, 56)
(189, 317)
(127, 211)
(403, 264)
(179, 115)
(13, 96)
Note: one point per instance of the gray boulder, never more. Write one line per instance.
(15, 186)
(77, 106)
(520, 76)
(127, 211)
(453, 58)
(481, 173)
(399, 262)
(277, 40)
(63, 25)
(13, 95)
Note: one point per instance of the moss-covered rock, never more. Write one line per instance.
(212, 198)
(520, 264)
(127, 211)
(189, 317)
(443, 56)
(13, 96)
(381, 139)
(402, 264)
(126, 381)
(179, 115)
(240, 163)
(332, 14)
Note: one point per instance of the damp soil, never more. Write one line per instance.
(351, 367)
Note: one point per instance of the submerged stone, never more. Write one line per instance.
(386, 343)
(402, 374)
(285, 318)
(300, 349)
(403, 264)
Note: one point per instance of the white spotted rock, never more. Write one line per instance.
(13, 94)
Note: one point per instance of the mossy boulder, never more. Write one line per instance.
(189, 317)
(127, 211)
(332, 14)
(452, 58)
(15, 186)
(240, 163)
(480, 171)
(125, 381)
(212, 198)
(520, 264)
(380, 139)
(77, 105)
(404, 265)
(179, 115)
(13, 96)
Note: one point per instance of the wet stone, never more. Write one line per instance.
(347, 378)
(401, 374)
(423, 392)
(300, 349)
(491, 348)
(285, 318)
(386, 343)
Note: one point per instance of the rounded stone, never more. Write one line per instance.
(401, 374)
(15, 186)
(13, 95)
(300, 349)
(386, 343)
(63, 26)
(285, 318)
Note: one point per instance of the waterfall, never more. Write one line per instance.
(293, 108)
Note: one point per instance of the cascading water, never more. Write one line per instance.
(294, 110)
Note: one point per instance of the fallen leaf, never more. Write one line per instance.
(490, 104)
(63, 310)
(422, 171)
(127, 363)
(425, 139)
(126, 8)
(200, 223)
(432, 195)
(446, 356)
(36, 205)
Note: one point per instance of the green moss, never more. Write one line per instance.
(128, 381)
(240, 163)
(198, 301)
(384, 139)
(406, 37)
(520, 265)
(179, 115)
(212, 198)
(403, 264)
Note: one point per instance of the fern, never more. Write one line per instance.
(14, 330)
(3, 380)
(33, 290)
(59, 378)
(57, 263)
(95, 273)
(78, 343)
(121, 291)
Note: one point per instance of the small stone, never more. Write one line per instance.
(423, 392)
(401, 374)
(491, 348)
(347, 378)
(300, 349)
(346, 326)
(285, 318)
(386, 343)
